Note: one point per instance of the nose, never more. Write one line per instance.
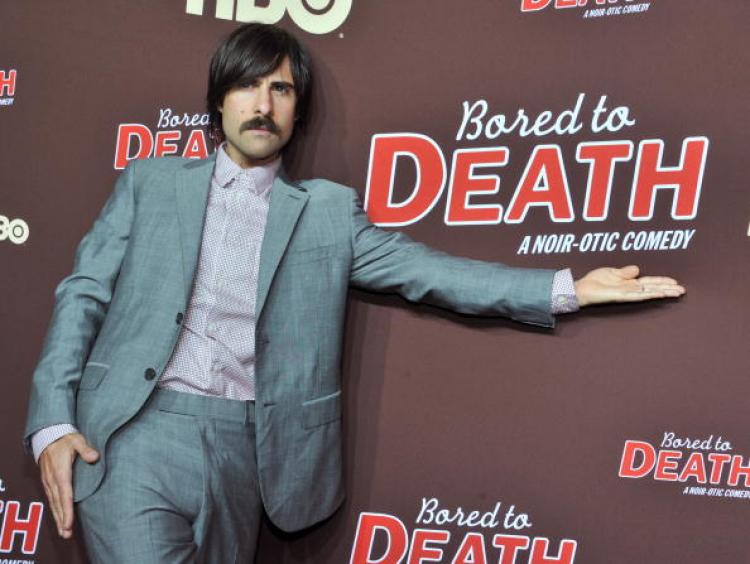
(264, 101)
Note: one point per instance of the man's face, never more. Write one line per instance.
(258, 118)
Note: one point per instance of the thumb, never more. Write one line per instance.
(629, 272)
(85, 450)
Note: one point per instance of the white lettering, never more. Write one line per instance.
(314, 16)
(430, 513)
(566, 123)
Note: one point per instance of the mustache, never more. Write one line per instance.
(260, 122)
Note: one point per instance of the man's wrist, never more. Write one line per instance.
(45, 437)
(564, 298)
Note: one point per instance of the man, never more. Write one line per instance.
(190, 377)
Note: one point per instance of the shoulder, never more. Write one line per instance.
(161, 164)
(160, 168)
(157, 176)
(320, 188)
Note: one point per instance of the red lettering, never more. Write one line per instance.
(628, 467)
(717, 465)
(565, 555)
(195, 147)
(685, 179)
(8, 83)
(125, 133)
(566, 3)
(513, 543)
(471, 550)
(602, 157)
(364, 539)
(543, 183)
(534, 5)
(736, 470)
(28, 528)
(163, 146)
(666, 461)
(420, 552)
(430, 167)
(694, 468)
(464, 183)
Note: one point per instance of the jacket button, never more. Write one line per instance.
(150, 374)
(178, 319)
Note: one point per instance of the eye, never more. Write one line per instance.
(282, 88)
(248, 84)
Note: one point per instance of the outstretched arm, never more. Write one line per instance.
(389, 261)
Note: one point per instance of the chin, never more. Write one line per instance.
(266, 156)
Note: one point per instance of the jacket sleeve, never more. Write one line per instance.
(388, 261)
(81, 302)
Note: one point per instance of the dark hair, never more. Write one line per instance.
(252, 51)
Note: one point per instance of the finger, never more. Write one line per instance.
(657, 280)
(649, 294)
(49, 488)
(84, 449)
(628, 272)
(56, 506)
(669, 288)
(64, 477)
(66, 499)
(60, 478)
(50, 499)
(62, 481)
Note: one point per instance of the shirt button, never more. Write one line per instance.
(150, 374)
(178, 319)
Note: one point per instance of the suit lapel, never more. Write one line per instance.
(285, 207)
(191, 192)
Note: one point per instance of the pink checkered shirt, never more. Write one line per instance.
(215, 352)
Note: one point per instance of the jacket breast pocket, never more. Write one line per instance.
(322, 410)
(310, 254)
(93, 374)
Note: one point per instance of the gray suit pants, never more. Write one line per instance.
(181, 486)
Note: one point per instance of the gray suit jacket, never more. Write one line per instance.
(114, 322)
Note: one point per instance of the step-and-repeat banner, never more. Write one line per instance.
(541, 133)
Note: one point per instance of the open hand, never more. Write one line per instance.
(56, 464)
(606, 285)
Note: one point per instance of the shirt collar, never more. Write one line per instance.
(261, 177)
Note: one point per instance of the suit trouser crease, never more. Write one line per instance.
(181, 485)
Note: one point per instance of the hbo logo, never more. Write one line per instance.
(16, 230)
(315, 16)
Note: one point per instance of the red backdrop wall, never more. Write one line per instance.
(640, 160)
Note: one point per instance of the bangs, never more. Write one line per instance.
(253, 58)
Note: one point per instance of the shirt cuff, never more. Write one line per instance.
(563, 297)
(45, 437)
